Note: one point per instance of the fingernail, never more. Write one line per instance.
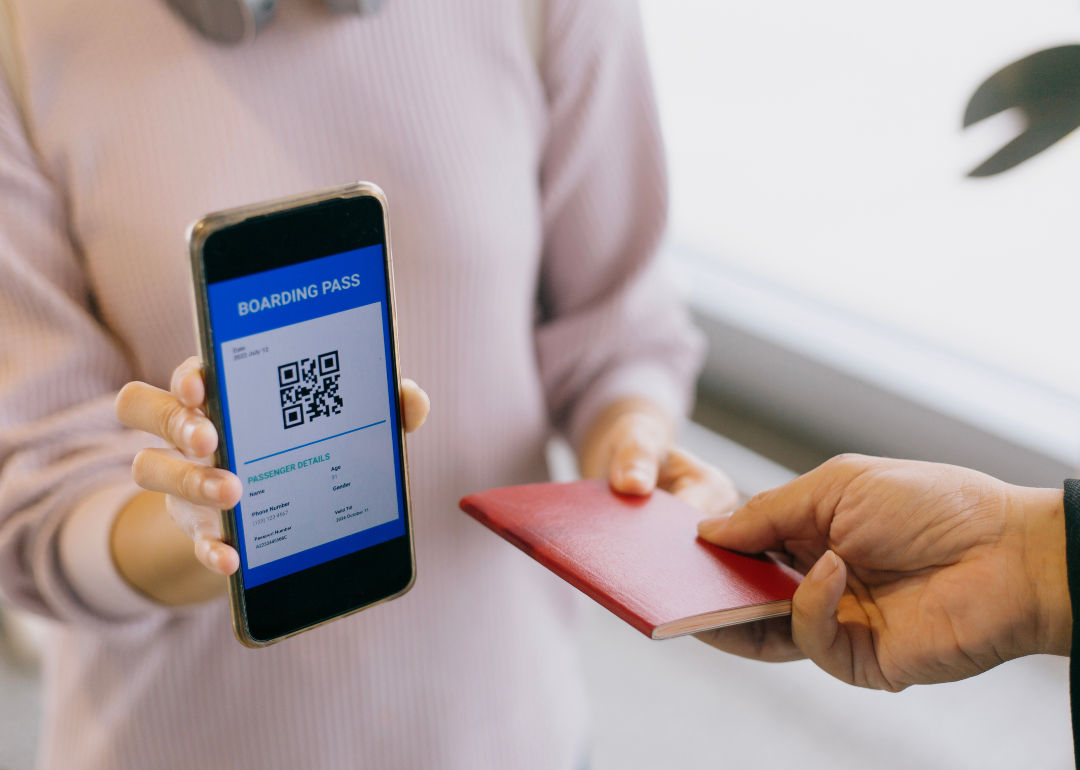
(211, 487)
(214, 557)
(825, 567)
(204, 425)
(188, 432)
(643, 472)
(711, 527)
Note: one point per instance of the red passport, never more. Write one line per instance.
(638, 557)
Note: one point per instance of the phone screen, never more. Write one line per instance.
(303, 358)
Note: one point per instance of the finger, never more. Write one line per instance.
(203, 526)
(217, 556)
(766, 640)
(680, 464)
(415, 405)
(815, 624)
(187, 383)
(713, 498)
(159, 412)
(697, 483)
(832, 625)
(801, 509)
(635, 466)
(162, 470)
(639, 442)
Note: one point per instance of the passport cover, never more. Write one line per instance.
(639, 557)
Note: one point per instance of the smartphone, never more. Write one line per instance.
(294, 303)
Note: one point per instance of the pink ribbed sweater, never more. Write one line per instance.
(526, 202)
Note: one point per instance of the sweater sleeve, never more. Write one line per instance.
(60, 443)
(610, 326)
(1072, 558)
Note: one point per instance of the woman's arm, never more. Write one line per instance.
(617, 353)
(63, 457)
(611, 328)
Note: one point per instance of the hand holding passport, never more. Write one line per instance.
(639, 557)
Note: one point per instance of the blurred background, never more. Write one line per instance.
(860, 292)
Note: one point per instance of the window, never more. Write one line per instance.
(820, 203)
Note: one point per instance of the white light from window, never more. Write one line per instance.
(818, 146)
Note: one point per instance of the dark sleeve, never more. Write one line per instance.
(1072, 556)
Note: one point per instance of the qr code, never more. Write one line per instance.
(309, 389)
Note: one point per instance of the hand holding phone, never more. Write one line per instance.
(196, 492)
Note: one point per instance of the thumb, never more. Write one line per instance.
(815, 627)
(767, 521)
(801, 510)
(415, 405)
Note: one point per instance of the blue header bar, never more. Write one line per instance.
(288, 295)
